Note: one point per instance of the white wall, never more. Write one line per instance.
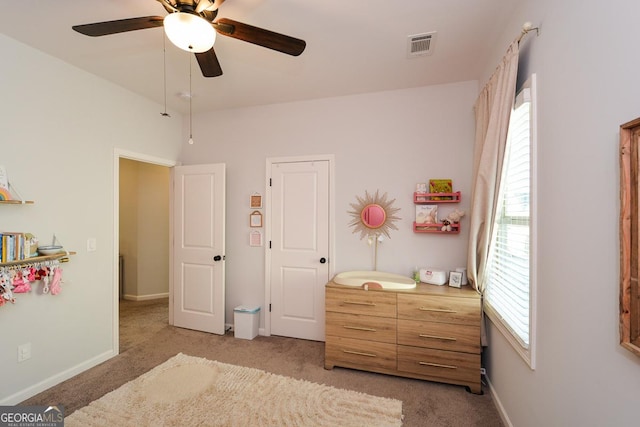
(586, 63)
(59, 127)
(384, 141)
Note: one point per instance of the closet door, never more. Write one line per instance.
(199, 247)
(299, 248)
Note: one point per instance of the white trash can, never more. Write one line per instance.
(246, 321)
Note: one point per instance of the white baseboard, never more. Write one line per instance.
(145, 297)
(31, 391)
(498, 403)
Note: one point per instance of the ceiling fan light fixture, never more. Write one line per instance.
(189, 32)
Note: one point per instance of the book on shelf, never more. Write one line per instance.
(426, 214)
(16, 246)
(8, 247)
(440, 186)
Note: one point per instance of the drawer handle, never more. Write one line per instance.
(359, 328)
(370, 304)
(437, 337)
(439, 310)
(437, 365)
(359, 353)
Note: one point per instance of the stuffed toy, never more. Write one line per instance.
(455, 216)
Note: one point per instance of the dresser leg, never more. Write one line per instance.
(475, 389)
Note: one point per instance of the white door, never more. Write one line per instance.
(198, 247)
(299, 248)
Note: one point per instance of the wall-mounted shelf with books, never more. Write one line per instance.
(427, 212)
(61, 257)
(428, 198)
(16, 202)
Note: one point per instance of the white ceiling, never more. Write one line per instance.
(353, 46)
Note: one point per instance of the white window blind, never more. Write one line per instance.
(507, 292)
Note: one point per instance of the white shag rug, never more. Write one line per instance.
(193, 391)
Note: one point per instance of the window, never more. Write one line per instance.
(510, 287)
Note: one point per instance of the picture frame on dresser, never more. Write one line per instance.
(455, 279)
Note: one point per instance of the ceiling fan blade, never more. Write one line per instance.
(208, 5)
(260, 37)
(209, 64)
(119, 26)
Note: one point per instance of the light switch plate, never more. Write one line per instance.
(24, 352)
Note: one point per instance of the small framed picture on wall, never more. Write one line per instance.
(255, 219)
(255, 238)
(255, 201)
(455, 279)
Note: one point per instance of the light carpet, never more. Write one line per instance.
(193, 391)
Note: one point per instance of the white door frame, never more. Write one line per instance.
(268, 229)
(118, 154)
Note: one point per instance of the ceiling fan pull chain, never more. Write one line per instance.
(190, 102)
(164, 68)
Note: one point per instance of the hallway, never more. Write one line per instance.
(140, 320)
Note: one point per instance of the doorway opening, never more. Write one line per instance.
(141, 246)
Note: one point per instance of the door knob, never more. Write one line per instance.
(217, 258)
(323, 260)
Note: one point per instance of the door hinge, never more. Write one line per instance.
(269, 308)
(269, 244)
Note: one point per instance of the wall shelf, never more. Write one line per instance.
(431, 198)
(62, 257)
(435, 228)
(16, 202)
(420, 198)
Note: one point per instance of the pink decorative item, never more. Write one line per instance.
(55, 282)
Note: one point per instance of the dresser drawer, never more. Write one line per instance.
(439, 364)
(382, 329)
(359, 354)
(359, 301)
(439, 309)
(443, 336)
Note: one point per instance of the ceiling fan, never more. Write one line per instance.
(190, 26)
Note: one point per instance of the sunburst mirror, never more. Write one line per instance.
(373, 214)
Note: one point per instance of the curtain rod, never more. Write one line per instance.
(526, 28)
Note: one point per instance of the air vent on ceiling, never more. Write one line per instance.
(421, 44)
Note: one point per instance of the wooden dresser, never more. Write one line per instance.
(430, 332)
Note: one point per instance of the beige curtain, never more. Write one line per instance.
(492, 111)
